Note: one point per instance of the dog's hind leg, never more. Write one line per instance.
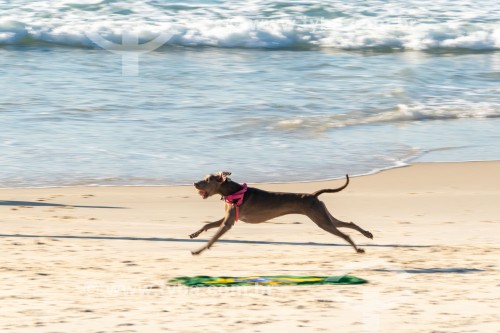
(339, 224)
(322, 219)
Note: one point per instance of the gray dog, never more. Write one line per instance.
(253, 205)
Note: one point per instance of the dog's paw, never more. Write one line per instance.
(194, 235)
(368, 234)
(360, 250)
(195, 253)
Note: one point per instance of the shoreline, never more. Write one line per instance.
(326, 180)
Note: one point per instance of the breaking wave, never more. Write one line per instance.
(268, 25)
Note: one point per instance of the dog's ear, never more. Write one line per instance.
(223, 176)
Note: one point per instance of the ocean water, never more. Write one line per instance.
(107, 92)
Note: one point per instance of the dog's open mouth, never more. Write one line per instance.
(203, 193)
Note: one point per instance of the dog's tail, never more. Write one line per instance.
(333, 190)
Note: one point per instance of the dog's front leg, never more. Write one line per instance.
(207, 227)
(226, 224)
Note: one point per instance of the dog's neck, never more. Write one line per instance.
(229, 187)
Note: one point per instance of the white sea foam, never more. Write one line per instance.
(400, 114)
(396, 25)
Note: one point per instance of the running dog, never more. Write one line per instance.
(253, 205)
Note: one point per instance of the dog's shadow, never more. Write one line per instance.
(454, 270)
(187, 240)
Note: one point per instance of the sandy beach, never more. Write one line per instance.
(97, 259)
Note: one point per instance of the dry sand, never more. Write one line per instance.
(94, 259)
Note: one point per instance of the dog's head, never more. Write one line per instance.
(211, 184)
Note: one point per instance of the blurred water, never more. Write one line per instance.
(69, 117)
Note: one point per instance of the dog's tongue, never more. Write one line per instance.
(202, 193)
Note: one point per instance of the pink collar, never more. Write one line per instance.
(236, 199)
